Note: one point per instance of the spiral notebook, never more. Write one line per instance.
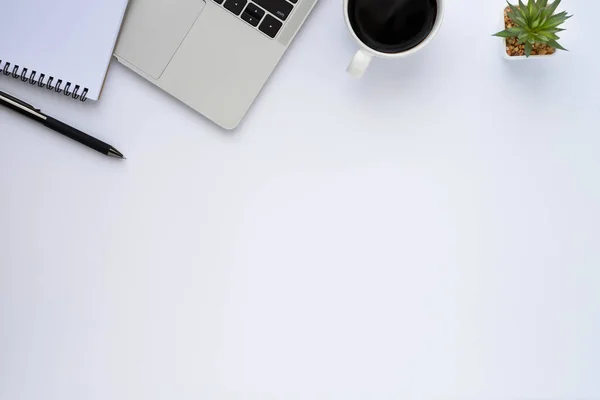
(60, 45)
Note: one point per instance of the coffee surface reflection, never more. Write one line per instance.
(392, 26)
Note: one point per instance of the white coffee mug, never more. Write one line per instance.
(365, 54)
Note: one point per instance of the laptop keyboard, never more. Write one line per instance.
(266, 15)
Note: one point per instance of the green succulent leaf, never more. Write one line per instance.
(533, 9)
(505, 34)
(528, 48)
(542, 3)
(516, 30)
(525, 11)
(552, 7)
(554, 43)
(557, 20)
(514, 9)
(517, 19)
(548, 35)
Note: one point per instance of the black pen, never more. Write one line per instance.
(35, 114)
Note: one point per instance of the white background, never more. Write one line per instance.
(430, 231)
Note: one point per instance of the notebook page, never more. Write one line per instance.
(71, 40)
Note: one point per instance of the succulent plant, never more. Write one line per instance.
(535, 23)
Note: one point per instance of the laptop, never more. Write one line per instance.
(213, 55)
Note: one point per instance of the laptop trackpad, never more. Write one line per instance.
(153, 31)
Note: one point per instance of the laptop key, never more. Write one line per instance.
(255, 11)
(270, 26)
(235, 6)
(293, 1)
(249, 18)
(218, 1)
(280, 8)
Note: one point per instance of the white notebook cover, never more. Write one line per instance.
(67, 40)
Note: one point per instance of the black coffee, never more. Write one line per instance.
(392, 26)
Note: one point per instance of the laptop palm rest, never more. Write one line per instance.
(154, 30)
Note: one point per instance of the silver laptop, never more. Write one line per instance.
(213, 55)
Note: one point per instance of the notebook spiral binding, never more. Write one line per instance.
(22, 73)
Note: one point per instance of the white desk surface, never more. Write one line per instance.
(428, 232)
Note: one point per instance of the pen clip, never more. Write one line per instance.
(21, 102)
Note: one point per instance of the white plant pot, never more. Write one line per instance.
(518, 58)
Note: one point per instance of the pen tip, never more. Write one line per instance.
(115, 153)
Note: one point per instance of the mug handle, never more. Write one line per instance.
(359, 63)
